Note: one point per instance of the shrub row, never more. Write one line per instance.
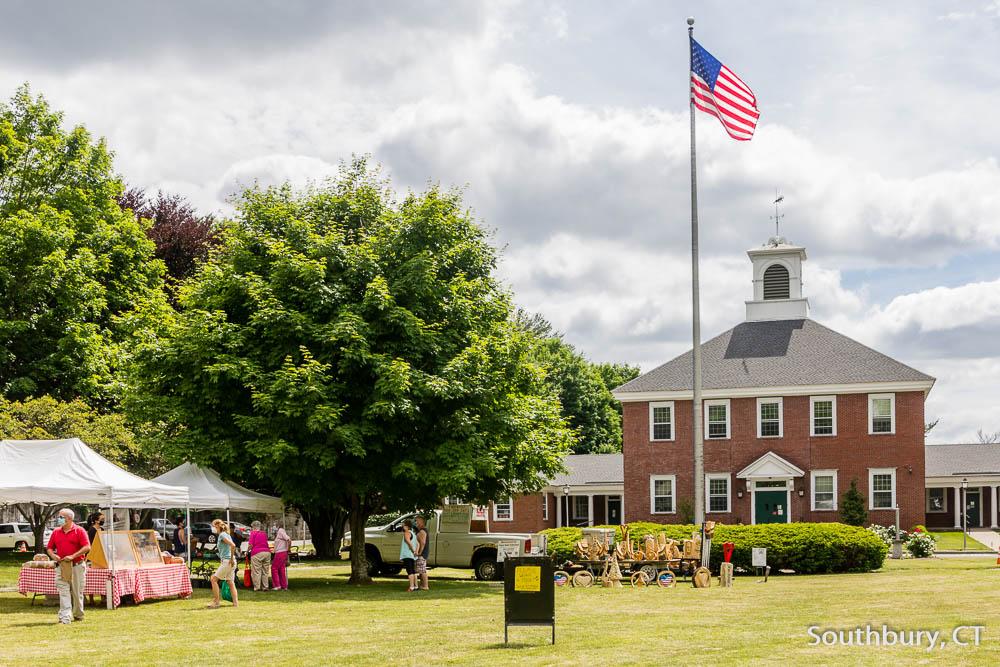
(807, 548)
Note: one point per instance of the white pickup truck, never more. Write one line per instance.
(452, 546)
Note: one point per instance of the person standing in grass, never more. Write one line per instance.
(422, 551)
(282, 545)
(407, 553)
(226, 571)
(180, 538)
(260, 557)
(69, 546)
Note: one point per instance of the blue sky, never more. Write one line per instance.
(566, 123)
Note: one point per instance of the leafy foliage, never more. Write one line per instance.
(182, 237)
(852, 506)
(356, 352)
(77, 276)
(806, 548)
(584, 388)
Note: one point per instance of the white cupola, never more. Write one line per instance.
(777, 282)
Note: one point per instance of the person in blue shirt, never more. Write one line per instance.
(226, 571)
(407, 553)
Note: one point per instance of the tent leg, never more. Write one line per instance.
(187, 534)
(111, 602)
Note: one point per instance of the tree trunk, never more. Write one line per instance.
(357, 517)
(319, 528)
(37, 516)
(338, 526)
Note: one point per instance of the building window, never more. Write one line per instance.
(503, 511)
(824, 489)
(580, 507)
(937, 501)
(776, 282)
(717, 419)
(881, 413)
(717, 491)
(661, 494)
(661, 421)
(545, 507)
(881, 488)
(769, 418)
(823, 415)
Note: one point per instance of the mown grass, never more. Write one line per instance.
(952, 541)
(323, 620)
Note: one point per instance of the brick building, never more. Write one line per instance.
(589, 493)
(793, 412)
(957, 471)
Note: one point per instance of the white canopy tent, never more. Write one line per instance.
(208, 490)
(51, 472)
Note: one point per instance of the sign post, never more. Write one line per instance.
(528, 593)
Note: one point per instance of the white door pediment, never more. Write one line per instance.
(770, 465)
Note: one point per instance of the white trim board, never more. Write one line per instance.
(765, 392)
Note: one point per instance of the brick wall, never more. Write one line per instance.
(851, 452)
(527, 515)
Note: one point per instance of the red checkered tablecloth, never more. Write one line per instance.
(153, 582)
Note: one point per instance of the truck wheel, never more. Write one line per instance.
(487, 568)
(390, 570)
(374, 561)
(21, 544)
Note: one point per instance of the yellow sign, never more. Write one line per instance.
(528, 578)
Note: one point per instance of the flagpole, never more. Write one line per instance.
(698, 422)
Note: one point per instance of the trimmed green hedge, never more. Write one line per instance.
(807, 548)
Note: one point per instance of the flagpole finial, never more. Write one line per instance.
(690, 20)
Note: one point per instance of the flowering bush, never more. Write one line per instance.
(918, 544)
(921, 545)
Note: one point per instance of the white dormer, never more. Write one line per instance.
(777, 282)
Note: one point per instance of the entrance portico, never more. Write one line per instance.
(770, 481)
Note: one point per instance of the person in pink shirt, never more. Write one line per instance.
(282, 545)
(260, 557)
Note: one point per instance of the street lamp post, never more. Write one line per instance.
(566, 503)
(965, 510)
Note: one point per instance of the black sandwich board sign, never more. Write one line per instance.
(529, 593)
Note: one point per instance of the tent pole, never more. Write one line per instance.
(109, 587)
(187, 535)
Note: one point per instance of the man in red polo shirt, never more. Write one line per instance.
(69, 542)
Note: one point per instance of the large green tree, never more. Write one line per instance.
(358, 353)
(78, 278)
(584, 388)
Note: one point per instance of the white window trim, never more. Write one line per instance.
(812, 416)
(729, 417)
(892, 413)
(813, 474)
(652, 493)
(871, 487)
(545, 506)
(781, 417)
(673, 420)
(927, 499)
(510, 501)
(729, 492)
(572, 508)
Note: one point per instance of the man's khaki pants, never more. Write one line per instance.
(71, 593)
(260, 569)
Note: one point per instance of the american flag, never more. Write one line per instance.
(716, 90)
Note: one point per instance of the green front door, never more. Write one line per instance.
(770, 507)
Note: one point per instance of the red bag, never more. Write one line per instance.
(247, 579)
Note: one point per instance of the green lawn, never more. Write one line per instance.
(322, 620)
(952, 541)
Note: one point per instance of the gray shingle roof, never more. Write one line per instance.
(591, 469)
(777, 353)
(976, 459)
